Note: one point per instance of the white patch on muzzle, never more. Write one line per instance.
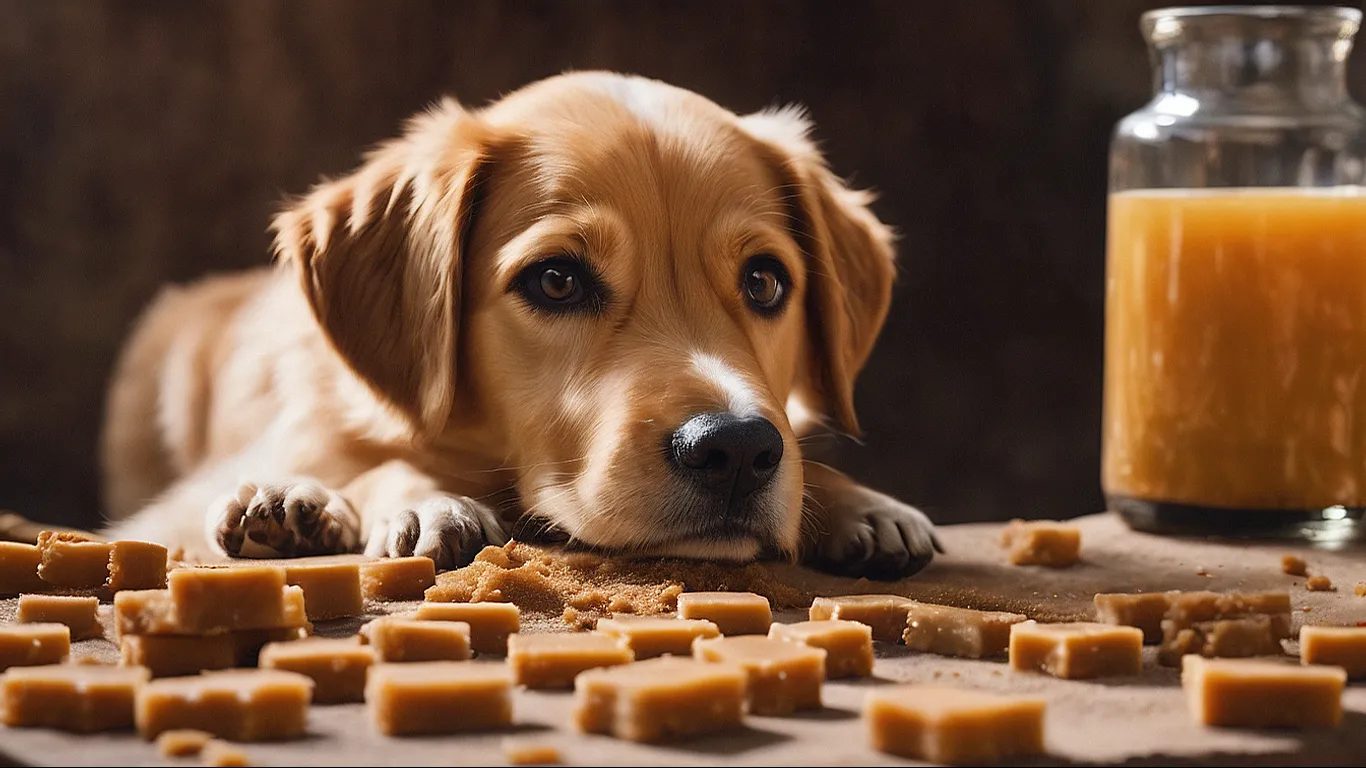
(740, 399)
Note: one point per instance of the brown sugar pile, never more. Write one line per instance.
(583, 587)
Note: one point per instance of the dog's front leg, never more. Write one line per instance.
(857, 531)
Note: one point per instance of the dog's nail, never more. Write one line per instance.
(406, 530)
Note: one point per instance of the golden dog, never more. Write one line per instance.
(600, 310)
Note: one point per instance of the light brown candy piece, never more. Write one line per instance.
(184, 742)
(1319, 583)
(27, 645)
(336, 666)
(72, 561)
(734, 613)
(1185, 608)
(1143, 610)
(1256, 635)
(435, 697)
(1042, 542)
(660, 699)
(1076, 650)
(397, 578)
(331, 589)
(950, 631)
(235, 704)
(552, 660)
(136, 565)
(1336, 646)
(848, 645)
(1293, 565)
(397, 639)
(79, 614)
(173, 655)
(19, 569)
(783, 677)
(522, 752)
(886, 614)
(153, 612)
(946, 725)
(225, 755)
(1256, 693)
(81, 698)
(490, 623)
(208, 600)
(651, 636)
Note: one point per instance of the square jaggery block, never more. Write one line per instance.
(436, 697)
(950, 631)
(734, 613)
(490, 623)
(1258, 693)
(396, 639)
(1042, 542)
(19, 569)
(153, 612)
(70, 560)
(783, 677)
(886, 614)
(136, 565)
(939, 724)
(331, 589)
(397, 578)
(79, 614)
(552, 660)
(1257, 635)
(660, 699)
(1076, 650)
(235, 704)
(185, 742)
(1143, 610)
(208, 600)
(82, 698)
(1185, 608)
(1335, 646)
(28, 645)
(848, 645)
(174, 655)
(337, 666)
(651, 636)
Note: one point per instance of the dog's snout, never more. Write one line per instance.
(727, 454)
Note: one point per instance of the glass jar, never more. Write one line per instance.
(1235, 311)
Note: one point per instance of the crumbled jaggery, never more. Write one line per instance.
(1294, 566)
(1361, 589)
(1319, 584)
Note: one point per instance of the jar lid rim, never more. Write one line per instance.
(1259, 11)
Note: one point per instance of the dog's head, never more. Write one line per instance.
(628, 296)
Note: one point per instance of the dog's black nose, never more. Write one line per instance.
(728, 455)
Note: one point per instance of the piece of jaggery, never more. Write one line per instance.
(490, 623)
(436, 697)
(331, 589)
(1143, 610)
(224, 755)
(1186, 608)
(28, 645)
(950, 631)
(660, 699)
(1335, 646)
(182, 742)
(154, 612)
(552, 660)
(734, 613)
(397, 578)
(1319, 583)
(1256, 635)
(235, 704)
(1294, 566)
(886, 614)
(783, 677)
(79, 614)
(136, 565)
(72, 561)
(953, 726)
(848, 645)
(522, 752)
(208, 600)
(337, 666)
(174, 655)
(1076, 650)
(1256, 693)
(19, 569)
(396, 639)
(1042, 542)
(651, 636)
(81, 698)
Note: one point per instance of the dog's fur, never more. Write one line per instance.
(384, 388)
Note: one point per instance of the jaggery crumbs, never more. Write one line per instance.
(1361, 589)
(1319, 584)
(1294, 566)
(581, 587)
(183, 742)
(223, 753)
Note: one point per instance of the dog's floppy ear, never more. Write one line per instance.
(379, 256)
(849, 261)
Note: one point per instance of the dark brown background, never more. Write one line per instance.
(145, 142)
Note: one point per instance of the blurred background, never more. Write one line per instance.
(149, 142)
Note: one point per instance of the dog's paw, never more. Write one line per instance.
(294, 519)
(448, 529)
(877, 537)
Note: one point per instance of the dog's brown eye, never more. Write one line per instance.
(559, 284)
(765, 283)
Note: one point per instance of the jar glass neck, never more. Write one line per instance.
(1305, 71)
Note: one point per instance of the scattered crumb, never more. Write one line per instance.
(90, 660)
(219, 752)
(1200, 571)
(1294, 566)
(1361, 589)
(1319, 584)
(1306, 609)
(182, 742)
(530, 753)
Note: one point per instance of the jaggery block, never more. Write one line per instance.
(136, 565)
(490, 623)
(660, 699)
(208, 600)
(79, 614)
(1186, 608)
(1076, 650)
(521, 752)
(1143, 610)
(950, 631)
(1042, 542)
(434, 697)
(650, 636)
(1319, 584)
(848, 645)
(331, 589)
(223, 754)
(1255, 693)
(81, 698)
(397, 578)
(1336, 646)
(783, 677)
(1256, 635)
(72, 561)
(886, 614)
(236, 704)
(734, 613)
(182, 742)
(153, 612)
(19, 569)
(337, 666)
(1294, 566)
(173, 655)
(397, 639)
(552, 660)
(28, 645)
(939, 724)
